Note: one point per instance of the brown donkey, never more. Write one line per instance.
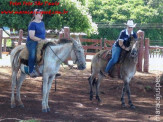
(127, 71)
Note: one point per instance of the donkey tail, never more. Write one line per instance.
(14, 56)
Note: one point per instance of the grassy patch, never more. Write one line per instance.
(29, 121)
(9, 43)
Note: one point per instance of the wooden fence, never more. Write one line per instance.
(92, 46)
(155, 51)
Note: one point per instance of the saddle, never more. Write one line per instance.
(106, 56)
(39, 55)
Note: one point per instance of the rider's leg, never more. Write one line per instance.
(31, 46)
(115, 56)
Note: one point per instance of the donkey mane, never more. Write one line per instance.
(64, 41)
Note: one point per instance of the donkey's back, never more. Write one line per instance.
(100, 60)
(14, 56)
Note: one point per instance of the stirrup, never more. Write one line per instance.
(34, 74)
(104, 74)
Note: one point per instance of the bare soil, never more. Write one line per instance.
(71, 100)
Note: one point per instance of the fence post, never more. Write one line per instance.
(67, 32)
(4, 45)
(67, 36)
(140, 34)
(146, 55)
(103, 44)
(1, 36)
(20, 36)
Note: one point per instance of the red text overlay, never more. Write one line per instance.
(31, 12)
(36, 3)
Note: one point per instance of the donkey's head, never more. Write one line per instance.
(134, 47)
(77, 54)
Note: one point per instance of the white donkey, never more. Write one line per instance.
(53, 57)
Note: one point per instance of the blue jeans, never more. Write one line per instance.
(32, 48)
(115, 56)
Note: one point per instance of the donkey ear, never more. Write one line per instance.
(73, 40)
(78, 39)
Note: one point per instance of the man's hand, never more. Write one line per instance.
(128, 48)
(42, 40)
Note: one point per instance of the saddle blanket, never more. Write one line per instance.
(39, 56)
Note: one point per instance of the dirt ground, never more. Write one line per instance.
(70, 103)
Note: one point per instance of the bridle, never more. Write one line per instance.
(134, 56)
(75, 52)
(70, 66)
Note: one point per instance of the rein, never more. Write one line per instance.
(70, 66)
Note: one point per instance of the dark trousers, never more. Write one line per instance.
(32, 48)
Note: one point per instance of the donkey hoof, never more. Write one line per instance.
(21, 106)
(44, 110)
(123, 105)
(48, 109)
(98, 98)
(132, 107)
(91, 97)
(13, 106)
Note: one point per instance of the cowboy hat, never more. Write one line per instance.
(130, 23)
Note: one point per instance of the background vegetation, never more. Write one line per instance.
(109, 16)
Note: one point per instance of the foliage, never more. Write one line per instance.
(8, 42)
(116, 12)
(77, 18)
(108, 14)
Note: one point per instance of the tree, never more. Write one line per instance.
(113, 13)
(77, 18)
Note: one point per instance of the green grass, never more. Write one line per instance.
(8, 43)
(29, 121)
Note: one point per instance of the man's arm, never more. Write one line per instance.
(122, 46)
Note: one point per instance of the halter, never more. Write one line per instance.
(70, 66)
(75, 51)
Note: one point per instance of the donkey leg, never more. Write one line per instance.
(100, 78)
(14, 78)
(129, 98)
(123, 93)
(49, 87)
(44, 92)
(91, 79)
(18, 85)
